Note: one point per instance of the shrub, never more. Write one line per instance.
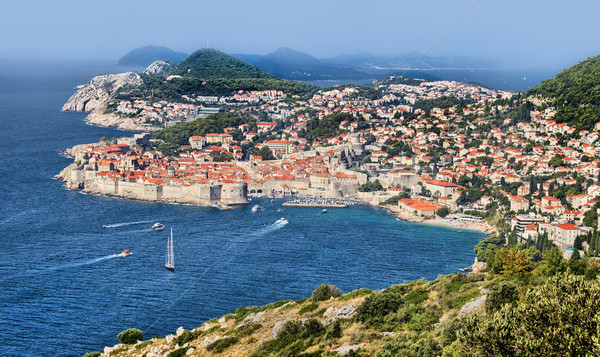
(504, 293)
(355, 293)
(245, 330)
(180, 352)
(335, 331)
(559, 318)
(184, 338)
(92, 354)
(377, 305)
(129, 336)
(325, 291)
(221, 345)
(308, 308)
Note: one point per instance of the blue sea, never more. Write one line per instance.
(65, 291)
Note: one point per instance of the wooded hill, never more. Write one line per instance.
(575, 92)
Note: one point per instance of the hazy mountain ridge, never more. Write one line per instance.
(144, 56)
(290, 64)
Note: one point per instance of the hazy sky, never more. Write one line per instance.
(515, 32)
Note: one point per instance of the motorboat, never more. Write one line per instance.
(324, 210)
(126, 253)
(282, 221)
(158, 226)
(255, 208)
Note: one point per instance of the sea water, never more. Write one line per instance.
(65, 290)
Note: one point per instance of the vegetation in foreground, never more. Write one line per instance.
(520, 307)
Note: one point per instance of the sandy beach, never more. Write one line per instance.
(407, 217)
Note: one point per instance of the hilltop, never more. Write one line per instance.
(212, 72)
(144, 56)
(209, 63)
(575, 92)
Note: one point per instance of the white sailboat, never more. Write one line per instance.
(170, 264)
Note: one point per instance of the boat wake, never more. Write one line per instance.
(80, 264)
(270, 228)
(124, 224)
(61, 267)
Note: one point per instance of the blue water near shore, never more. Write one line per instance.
(64, 291)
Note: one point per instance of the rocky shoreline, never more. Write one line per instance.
(112, 120)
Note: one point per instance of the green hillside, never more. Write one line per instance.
(575, 92)
(212, 64)
(211, 72)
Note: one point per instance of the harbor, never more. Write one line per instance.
(318, 202)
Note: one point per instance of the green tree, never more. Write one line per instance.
(590, 219)
(443, 212)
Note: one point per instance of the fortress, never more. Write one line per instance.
(209, 194)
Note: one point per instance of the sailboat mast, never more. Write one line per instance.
(172, 255)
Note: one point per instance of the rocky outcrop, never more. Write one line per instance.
(158, 67)
(333, 314)
(99, 117)
(100, 90)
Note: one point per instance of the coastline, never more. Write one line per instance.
(439, 222)
(111, 120)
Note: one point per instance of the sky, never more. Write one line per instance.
(508, 32)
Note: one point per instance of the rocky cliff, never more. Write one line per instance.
(158, 67)
(100, 90)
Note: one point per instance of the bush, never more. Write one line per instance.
(335, 331)
(184, 338)
(180, 352)
(221, 345)
(92, 354)
(378, 305)
(308, 308)
(559, 318)
(504, 293)
(325, 291)
(129, 336)
(355, 293)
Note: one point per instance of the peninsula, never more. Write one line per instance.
(220, 130)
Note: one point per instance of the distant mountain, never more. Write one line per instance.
(290, 64)
(412, 60)
(575, 92)
(146, 55)
(208, 63)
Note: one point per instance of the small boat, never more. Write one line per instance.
(105, 226)
(158, 226)
(256, 208)
(324, 210)
(126, 253)
(282, 221)
(170, 263)
(464, 269)
(279, 210)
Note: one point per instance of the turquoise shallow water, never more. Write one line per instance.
(64, 292)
